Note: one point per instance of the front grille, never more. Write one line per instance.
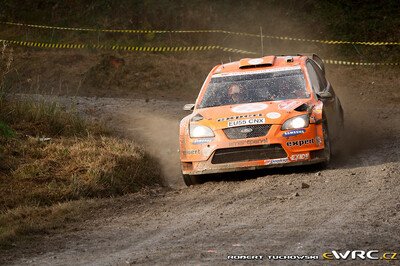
(251, 153)
(242, 132)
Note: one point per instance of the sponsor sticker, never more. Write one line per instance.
(248, 142)
(276, 161)
(191, 152)
(318, 111)
(288, 105)
(300, 157)
(245, 122)
(318, 108)
(201, 141)
(279, 161)
(236, 117)
(249, 108)
(273, 115)
(295, 132)
(300, 142)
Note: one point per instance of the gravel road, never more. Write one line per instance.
(353, 204)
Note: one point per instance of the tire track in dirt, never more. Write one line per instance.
(258, 216)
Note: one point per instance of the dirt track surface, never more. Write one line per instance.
(351, 205)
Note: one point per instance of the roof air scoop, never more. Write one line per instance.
(289, 59)
(257, 62)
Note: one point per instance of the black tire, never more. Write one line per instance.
(327, 143)
(191, 180)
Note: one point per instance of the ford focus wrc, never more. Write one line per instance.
(263, 112)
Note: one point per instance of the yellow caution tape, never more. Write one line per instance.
(170, 49)
(126, 48)
(349, 63)
(203, 31)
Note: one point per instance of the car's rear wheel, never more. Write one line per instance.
(191, 180)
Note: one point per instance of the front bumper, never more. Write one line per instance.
(200, 168)
(200, 158)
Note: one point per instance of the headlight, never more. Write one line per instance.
(197, 131)
(301, 121)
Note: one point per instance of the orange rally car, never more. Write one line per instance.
(263, 112)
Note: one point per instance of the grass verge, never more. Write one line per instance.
(52, 162)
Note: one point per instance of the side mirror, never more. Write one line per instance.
(324, 95)
(188, 107)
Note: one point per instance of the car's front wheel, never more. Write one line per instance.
(191, 180)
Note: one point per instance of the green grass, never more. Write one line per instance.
(6, 131)
(41, 118)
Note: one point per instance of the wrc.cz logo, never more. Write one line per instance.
(359, 254)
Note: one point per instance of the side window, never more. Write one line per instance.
(322, 80)
(314, 78)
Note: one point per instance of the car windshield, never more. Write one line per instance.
(250, 88)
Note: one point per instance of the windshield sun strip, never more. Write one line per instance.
(256, 72)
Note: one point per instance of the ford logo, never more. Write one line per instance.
(246, 130)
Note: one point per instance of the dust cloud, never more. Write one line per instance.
(156, 127)
(370, 113)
